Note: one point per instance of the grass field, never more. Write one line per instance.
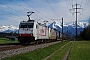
(7, 41)
(61, 53)
(37, 54)
(80, 51)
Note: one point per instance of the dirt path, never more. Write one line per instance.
(54, 52)
(68, 52)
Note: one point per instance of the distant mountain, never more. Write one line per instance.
(56, 25)
(70, 27)
(8, 28)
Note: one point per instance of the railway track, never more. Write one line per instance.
(7, 51)
(5, 47)
(9, 47)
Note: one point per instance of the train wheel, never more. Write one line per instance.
(22, 43)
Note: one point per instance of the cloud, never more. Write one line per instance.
(17, 13)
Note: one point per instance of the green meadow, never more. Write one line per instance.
(7, 41)
(80, 51)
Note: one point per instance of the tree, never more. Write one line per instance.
(86, 33)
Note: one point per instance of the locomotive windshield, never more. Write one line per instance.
(26, 25)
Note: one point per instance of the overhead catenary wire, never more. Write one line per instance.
(19, 5)
(86, 4)
(81, 2)
(10, 8)
(35, 9)
(52, 8)
(13, 14)
(70, 2)
(76, 1)
(23, 7)
(9, 16)
(68, 7)
(15, 10)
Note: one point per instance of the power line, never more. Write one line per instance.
(67, 6)
(9, 16)
(19, 5)
(52, 8)
(76, 1)
(14, 9)
(38, 12)
(13, 14)
(81, 2)
(10, 8)
(35, 9)
(76, 11)
(86, 3)
(23, 7)
(70, 3)
(70, 7)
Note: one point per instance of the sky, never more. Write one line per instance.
(14, 11)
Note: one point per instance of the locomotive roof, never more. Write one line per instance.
(42, 24)
(27, 21)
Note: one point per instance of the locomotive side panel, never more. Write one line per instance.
(58, 35)
(35, 30)
(42, 32)
(52, 34)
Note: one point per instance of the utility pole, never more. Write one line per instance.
(62, 29)
(76, 11)
(67, 32)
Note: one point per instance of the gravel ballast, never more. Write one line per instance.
(9, 53)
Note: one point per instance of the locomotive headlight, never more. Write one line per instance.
(31, 34)
(20, 35)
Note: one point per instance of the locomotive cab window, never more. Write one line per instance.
(27, 25)
(30, 25)
(23, 26)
